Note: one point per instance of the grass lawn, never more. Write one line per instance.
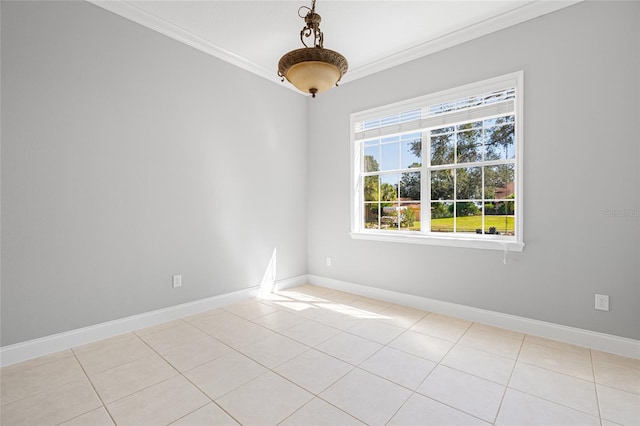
(471, 223)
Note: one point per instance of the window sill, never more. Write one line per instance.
(487, 244)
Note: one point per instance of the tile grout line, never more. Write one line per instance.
(506, 386)
(187, 379)
(439, 363)
(94, 389)
(595, 386)
(551, 400)
(309, 348)
(264, 366)
(152, 385)
(413, 392)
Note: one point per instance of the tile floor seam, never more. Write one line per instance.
(439, 363)
(506, 386)
(160, 330)
(309, 320)
(399, 408)
(39, 365)
(595, 387)
(484, 351)
(390, 380)
(557, 348)
(48, 390)
(94, 389)
(321, 399)
(558, 372)
(335, 406)
(40, 391)
(154, 351)
(326, 387)
(275, 366)
(278, 310)
(210, 399)
(191, 412)
(452, 407)
(178, 373)
(264, 374)
(555, 403)
(239, 353)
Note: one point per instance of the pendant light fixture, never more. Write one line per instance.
(312, 69)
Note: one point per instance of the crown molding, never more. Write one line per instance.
(144, 18)
(526, 12)
(531, 10)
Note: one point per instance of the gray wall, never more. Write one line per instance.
(581, 145)
(125, 160)
(128, 157)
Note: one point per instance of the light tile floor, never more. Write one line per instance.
(315, 356)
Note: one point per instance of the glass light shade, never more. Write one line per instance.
(313, 76)
(312, 69)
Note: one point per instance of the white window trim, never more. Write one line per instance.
(515, 244)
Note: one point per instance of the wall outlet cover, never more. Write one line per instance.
(602, 302)
(177, 281)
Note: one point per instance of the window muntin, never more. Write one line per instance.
(440, 168)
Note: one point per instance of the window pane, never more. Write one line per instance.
(410, 216)
(410, 186)
(499, 182)
(389, 218)
(442, 148)
(411, 150)
(442, 217)
(500, 138)
(468, 217)
(371, 158)
(371, 188)
(469, 142)
(499, 217)
(371, 215)
(442, 184)
(389, 187)
(390, 156)
(469, 183)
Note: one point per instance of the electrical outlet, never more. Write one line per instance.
(177, 281)
(602, 302)
(328, 261)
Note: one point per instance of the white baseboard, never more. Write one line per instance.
(290, 282)
(576, 336)
(58, 342)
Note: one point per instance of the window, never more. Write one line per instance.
(442, 169)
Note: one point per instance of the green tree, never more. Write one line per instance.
(500, 138)
(371, 183)
(469, 142)
(370, 164)
(442, 184)
(388, 192)
(408, 217)
(410, 184)
(466, 209)
(441, 210)
(442, 147)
